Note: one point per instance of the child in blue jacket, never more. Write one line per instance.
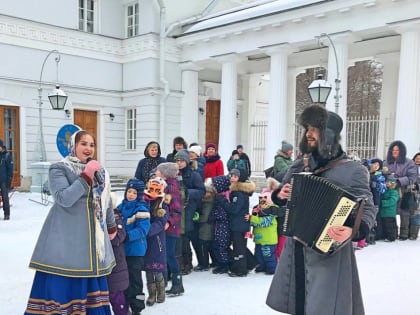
(136, 220)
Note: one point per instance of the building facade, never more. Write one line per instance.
(132, 76)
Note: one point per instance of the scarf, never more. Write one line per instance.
(101, 199)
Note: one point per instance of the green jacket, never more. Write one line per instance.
(389, 203)
(264, 229)
(282, 162)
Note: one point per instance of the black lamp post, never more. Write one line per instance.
(318, 88)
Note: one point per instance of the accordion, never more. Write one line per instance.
(314, 205)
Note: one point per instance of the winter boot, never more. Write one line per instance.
(177, 287)
(160, 290)
(413, 232)
(151, 287)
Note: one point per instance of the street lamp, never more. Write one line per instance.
(316, 89)
(57, 100)
(319, 90)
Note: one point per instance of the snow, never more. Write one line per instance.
(388, 272)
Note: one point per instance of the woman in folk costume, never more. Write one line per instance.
(73, 254)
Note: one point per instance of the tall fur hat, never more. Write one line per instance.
(168, 169)
(329, 125)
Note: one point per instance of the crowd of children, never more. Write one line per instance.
(158, 222)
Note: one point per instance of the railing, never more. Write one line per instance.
(362, 139)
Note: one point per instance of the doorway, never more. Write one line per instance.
(9, 133)
(87, 120)
(212, 121)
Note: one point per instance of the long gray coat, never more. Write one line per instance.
(66, 244)
(332, 282)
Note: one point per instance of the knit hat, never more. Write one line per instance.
(196, 149)
(239, 146)
(240, 173)
(220, 183)
(235, 152)
(168, 169)
(183, 155)
(286, 146)
(138, 185)
(211, 145)
(391, 178)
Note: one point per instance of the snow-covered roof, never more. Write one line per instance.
(246, 12)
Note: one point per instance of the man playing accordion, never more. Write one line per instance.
(307, 282)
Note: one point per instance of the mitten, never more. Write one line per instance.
(160, 212)
(91, 167)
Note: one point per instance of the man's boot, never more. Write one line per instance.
(413, 232)
(160, 289)
(151, 287)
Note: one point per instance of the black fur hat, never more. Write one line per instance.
(329, 125)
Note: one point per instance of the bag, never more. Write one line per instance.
(408, 201)
(269, 172)
(415, 218)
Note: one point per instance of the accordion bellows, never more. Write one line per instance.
(314, 205)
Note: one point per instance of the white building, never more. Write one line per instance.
(201, 76)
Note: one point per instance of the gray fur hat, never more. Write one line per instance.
(329, 125)
(168, 169)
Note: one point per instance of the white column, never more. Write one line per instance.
(341, 48)
(277, 110)
(388, 100)
(189, 105)
(228, 107)
(407, 123)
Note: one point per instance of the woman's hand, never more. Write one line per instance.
(340, 233)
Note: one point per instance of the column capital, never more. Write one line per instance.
(412, 25)
(190, 66)
(277, 49)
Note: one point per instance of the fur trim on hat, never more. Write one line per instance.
(168, 169)
(328, 143)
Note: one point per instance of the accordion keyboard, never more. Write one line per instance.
(339, 216)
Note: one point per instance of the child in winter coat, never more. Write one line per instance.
(237, 208)
(136, 220)
(388, 209)
(168, 171)
(118, 279)
(265, 234)
(155, 258)
(218, 217)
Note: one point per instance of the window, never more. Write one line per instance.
(86, 15)
(133, 20)
(131, 128)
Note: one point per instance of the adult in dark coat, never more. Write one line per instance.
(152, 158)
(405, 171)
(305, 282)
(6, 175)
(178, 144)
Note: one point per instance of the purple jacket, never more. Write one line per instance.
(118, 279)
(174, 213)
(155, 258)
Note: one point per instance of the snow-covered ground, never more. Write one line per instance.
(389, 274)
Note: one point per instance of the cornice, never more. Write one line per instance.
(30, 34)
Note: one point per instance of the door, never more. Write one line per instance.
(9, 133)
(87, 120)
(212, 121)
